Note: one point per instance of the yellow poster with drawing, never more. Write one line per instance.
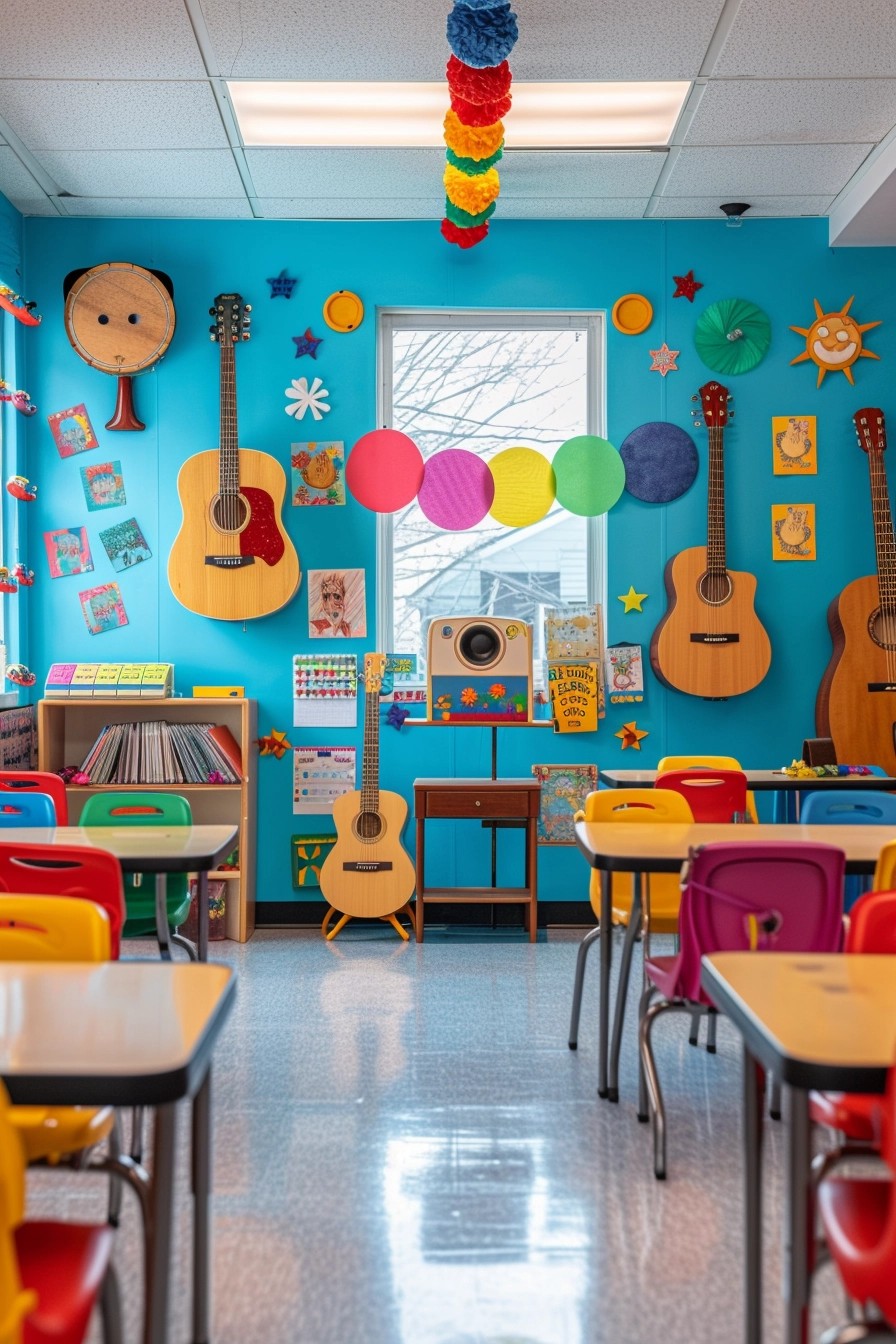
(575, 692)
(793, 531)
(794, 445)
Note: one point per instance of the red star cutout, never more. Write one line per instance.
(687, 286)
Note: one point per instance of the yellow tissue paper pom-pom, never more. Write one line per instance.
(472, 194)
(472, 142)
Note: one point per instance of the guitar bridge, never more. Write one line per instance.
(882, 685)
(368, 866)
(229, 561)
(714, 638)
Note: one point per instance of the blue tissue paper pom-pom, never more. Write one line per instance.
(474, 4)
(482, 37)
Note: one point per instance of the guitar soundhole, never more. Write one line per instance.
(369, 826)
(715, 589)
(882, 628)
(230, 513)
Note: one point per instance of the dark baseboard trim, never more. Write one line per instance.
(478, 914)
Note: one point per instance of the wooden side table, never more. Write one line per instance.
(498, 800)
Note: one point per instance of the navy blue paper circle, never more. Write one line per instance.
(660, 462)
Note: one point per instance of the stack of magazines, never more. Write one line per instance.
(163, 753)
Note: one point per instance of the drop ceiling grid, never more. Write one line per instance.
(112, 114)
(707, 207)
(101, 39)
(143, 207)
(19, 186)
(186, 173)
(800, 39)
(740, 172)
(792, 111)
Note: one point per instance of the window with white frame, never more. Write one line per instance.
(486, 381)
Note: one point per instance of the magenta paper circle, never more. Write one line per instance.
(384, 470)
(457, 489)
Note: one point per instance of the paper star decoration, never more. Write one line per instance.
(631, 735)
(664, 360)
(687, 286)
(275, 744)
(307, 344)
(282, 285)
(631, 601)
(305, 398)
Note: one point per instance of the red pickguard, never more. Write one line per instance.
(261, 536)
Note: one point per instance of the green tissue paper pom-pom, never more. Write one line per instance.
(472, 167)
(463, 218)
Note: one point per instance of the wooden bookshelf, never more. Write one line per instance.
(67, 728)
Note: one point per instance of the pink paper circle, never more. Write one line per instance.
(457, 489)
(384, 470)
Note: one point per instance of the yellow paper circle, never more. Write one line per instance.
(524, 486)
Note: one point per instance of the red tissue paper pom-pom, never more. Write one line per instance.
(480, 114)
(463, 237)
(478, 86)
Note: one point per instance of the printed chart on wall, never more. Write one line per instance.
(320, 776)
(325, 690)
(563, 791)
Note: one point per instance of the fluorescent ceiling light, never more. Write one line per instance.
(543, 116)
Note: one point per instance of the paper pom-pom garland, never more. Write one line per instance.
(481, 34)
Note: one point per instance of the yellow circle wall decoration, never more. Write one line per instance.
(524, 486)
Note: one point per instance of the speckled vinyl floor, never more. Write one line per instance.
(406, 1152)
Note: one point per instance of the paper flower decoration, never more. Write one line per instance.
(631, 735)
(471, 193)
(834, 342)
(471, 142)
(274, 744)
(305, 398)
(453, 233)
(482, 36)
(732, 336)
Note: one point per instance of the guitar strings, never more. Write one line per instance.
(885, 548)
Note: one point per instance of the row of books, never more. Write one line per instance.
(102, 679)
(164, 753)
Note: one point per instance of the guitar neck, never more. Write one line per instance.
(716, 562)
(884, 542)
(229, 455)
(370, 770)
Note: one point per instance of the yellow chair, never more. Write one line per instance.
(697, 762)
(15, 1302)
(659, 912)
(885, 871)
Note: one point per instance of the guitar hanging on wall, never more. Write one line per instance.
(856, 702)
(367, 874)
(710, 643)
(231, 559)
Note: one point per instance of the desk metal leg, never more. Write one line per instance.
(798, 1232)
(202, 1182)
(162, 933)
(202, 916)
(161, 1201)
(753, 1117)
(606, 962)
(421, 870)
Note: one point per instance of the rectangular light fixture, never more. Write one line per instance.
(403, 115)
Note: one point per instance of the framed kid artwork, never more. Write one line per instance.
(563, 792)
(68, 551)
(336, 604)
(794, 445)
(72, 431)
(317, 473)
(793, 531)
(103, 608)
(103, 485)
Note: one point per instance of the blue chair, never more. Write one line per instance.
(27, 809)
(850, 807)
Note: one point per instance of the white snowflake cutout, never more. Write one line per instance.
(304, 398)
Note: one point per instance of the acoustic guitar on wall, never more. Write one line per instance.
(856, 701)
(710, 643)
(367, 874)
(231, 559)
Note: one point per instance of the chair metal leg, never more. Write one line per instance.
(694, 1034)
(855, 1332)
(657, 1110)
(110, 1308)
(162, 931)
(585, 946)
(712, 1018)
(113, 1216)
(643, 1112)
(625, 966)
(184, 942)
(774, 1096)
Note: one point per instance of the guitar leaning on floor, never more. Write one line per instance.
(231, 559)
(856, 702)
(367, 873)
(710, 642)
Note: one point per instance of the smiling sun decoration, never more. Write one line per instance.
(834, 341)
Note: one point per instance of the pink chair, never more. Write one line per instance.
(777, 896)
(713, 795)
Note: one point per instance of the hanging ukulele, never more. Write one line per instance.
(710, 642)
(231, 559)
(856, 702)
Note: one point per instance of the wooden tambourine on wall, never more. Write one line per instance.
(120, 319)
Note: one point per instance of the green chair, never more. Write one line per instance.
(148, 809)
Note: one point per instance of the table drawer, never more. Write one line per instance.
(477, 803)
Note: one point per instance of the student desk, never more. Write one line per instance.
(762, 781)
(146, 849)
(817, 1022)
(136, 1033)
(615, 847)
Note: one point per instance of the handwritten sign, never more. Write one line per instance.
(574, 691)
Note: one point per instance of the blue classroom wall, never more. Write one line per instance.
(780, 265)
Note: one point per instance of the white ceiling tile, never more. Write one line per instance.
(801, 39)
(737, 172)
(571, 175)
(112, 114)
(793, 111)
(190, 173)
(94, 39)
(361, 207)
(20, 188)
(765, 207)
(142, 207)
(347, 173)
(583, 207)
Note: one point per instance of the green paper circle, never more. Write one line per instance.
(463, 219)
(716, 343)
(473, 167)
(590, 475)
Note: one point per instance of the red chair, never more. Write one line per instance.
(38, 781)
(713, 795)
(66, 870)
(859, 1221)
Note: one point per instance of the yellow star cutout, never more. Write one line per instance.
(631, 735)
(275, 744)
(631, 601)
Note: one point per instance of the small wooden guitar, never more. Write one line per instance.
(231, 559)
(367, 872)
(856, 702)
(710, 642)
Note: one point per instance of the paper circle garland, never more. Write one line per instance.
(384, 470)
(524, 486)
(471, 142)
(589, 475)
(481, 37)
(457, 490)
(660, 462)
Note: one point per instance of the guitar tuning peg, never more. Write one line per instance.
(695, 397)
(211, 333)
(698, 424)
(732, 414)
(248, 307)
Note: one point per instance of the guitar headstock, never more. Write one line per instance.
(374, 671)
(871, 431)
(714, 399)
(232, 319)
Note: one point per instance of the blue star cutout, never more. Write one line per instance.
(282, 284)
(307, 344)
